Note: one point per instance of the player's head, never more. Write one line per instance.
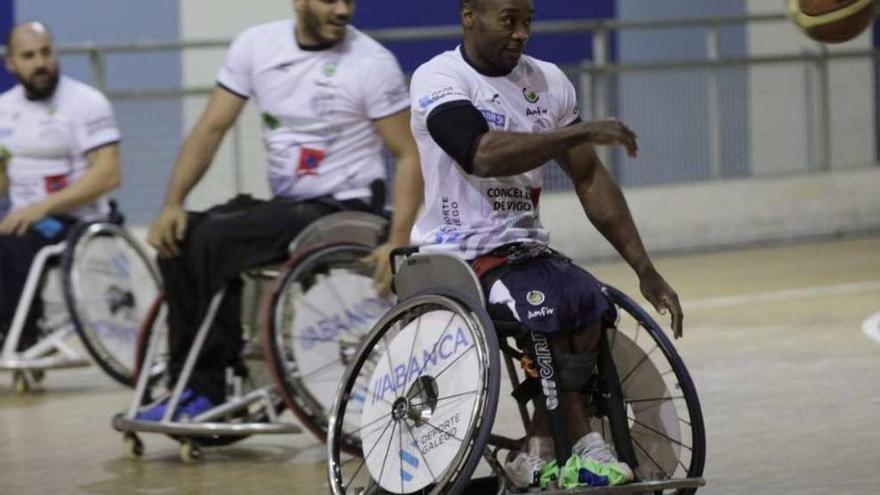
(323, 21)
(497, 29)
(30, 56)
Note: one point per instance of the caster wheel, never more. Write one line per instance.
(38, 376)
(20, 383)
(190, 452)
(134, 448)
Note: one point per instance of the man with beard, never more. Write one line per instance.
(330, 97)
(487, 119)
(59, 157)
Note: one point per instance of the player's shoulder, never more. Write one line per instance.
(536, 68)
(264, 31)
(447, 63)
(80, 93)
(12, 95)
(363, 47)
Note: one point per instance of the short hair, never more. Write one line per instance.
(473, 3)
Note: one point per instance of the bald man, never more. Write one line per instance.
(59, 157)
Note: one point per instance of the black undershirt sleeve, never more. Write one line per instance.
(457, 127)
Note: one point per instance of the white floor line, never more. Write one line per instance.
(782, 295)
(871, 327)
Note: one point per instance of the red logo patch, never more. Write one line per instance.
(309, 160)
(55, 183)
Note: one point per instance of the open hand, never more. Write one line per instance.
(660, 294)
(612, 132)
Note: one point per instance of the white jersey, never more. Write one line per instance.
(469, 215)
(318, 107)
(46, 142)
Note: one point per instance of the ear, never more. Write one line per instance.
(467, 16)
(10, 66)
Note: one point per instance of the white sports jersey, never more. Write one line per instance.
(47, 141)
(318, 107)
(465, 214)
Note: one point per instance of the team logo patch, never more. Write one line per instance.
(535, 297)
(55, 183)
(329, 70)
(309, 161)
(530, 95)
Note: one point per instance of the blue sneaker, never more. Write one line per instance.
(191, 404)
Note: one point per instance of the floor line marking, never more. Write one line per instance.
(783, 295)
(871, 327)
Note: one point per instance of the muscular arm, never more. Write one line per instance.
(461, 130)
(605, 206)
(201, 144)
(4, 179)
(408, 191)
(193, 161)
(408, 185)
(103, 175)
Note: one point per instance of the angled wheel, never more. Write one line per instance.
(655, 396)
(418, 401)
(322, 307)
(109, 284)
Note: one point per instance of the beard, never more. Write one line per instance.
(38, 92)
(313, 25)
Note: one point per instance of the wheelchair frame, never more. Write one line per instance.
(420, 274)
(53, 351)
(206, 429)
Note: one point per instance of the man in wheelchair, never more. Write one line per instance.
(330, 97)
(487, 119)
(59, 157)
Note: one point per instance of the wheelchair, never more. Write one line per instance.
(417, 405)
(300, 320)
(97, 284)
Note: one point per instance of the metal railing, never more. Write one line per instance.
(599, 82)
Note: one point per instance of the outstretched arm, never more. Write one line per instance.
(605, 206)
(193, 161)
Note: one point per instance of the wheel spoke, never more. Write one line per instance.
(651, 458)
(364, 459)
(659, 433)
(387, 451)
(640, 363)
(421, 452)
(420, 404)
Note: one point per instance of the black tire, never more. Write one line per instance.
(641, 377)
(306, 388)
(480, 414)
(107, 298)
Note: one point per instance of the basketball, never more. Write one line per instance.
(832, 21)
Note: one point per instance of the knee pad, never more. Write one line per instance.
(575, 370)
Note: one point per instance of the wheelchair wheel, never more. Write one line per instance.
(662, 411)
(323, 306)
(109, 284)
(418, 401)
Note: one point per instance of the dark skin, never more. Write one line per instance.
(495, 34)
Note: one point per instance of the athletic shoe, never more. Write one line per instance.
(525, 469)
(600, 461)
(191, 405)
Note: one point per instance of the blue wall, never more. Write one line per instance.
(7, 19)
(561, 49)
(151, 130)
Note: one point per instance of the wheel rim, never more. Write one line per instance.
(326, 307)
(417, 422)
(113, 285)
(661, 403)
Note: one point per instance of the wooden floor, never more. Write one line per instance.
(788, 377)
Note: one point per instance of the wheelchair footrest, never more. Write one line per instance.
(44, 363)
(642, 487)
(191, 429)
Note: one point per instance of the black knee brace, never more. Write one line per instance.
(575, 370)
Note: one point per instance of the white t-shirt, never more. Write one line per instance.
(318, 107)
(47, 141)
(465, 214)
